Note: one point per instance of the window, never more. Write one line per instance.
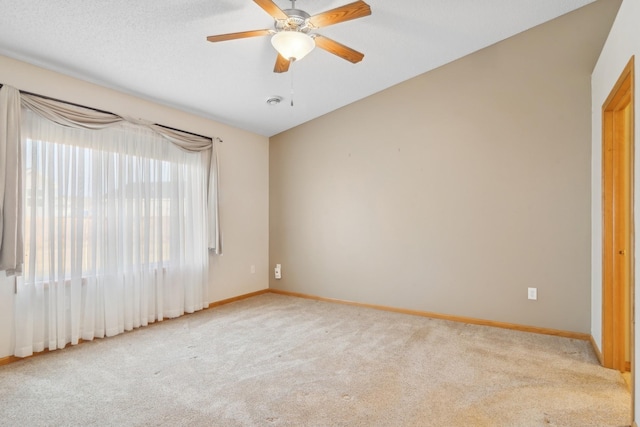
(114, 228)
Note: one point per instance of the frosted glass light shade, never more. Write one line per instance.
(292, 44)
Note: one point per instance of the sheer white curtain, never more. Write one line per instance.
(115, 232)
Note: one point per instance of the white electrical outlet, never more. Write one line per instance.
(253, 269)
(532, 293)
(278, 271)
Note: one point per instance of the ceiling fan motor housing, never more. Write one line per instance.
(296, 21)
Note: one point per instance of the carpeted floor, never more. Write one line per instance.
(274, 360)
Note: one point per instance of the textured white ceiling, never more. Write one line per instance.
(157, 49)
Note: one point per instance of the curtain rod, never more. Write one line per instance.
(109, 112)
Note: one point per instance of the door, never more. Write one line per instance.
(618, 222)
(618, 226)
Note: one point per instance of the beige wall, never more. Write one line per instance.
(455, 191)
(244, 181)
(622, 44)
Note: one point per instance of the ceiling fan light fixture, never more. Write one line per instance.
(293, 45)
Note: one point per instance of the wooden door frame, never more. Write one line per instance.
(621, 95)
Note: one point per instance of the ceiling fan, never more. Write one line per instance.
(293, 36)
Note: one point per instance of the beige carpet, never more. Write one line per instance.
(274, 360)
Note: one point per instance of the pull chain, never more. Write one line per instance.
(292, 68)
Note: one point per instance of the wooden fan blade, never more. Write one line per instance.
(282, 64)
(271, 8)
(347, 12)
(338, 49)
(240, 35)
